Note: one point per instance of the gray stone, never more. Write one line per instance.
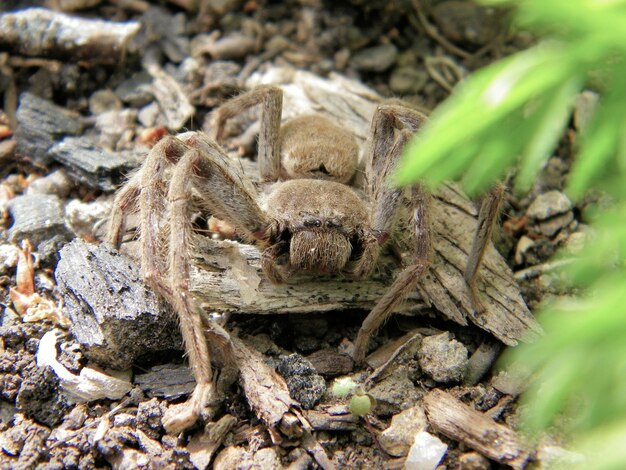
(407, 80)
(474, 461)
(238, 457)
(40, 123)
(115, 316)
(394, 393)
(375, 59)
(136, 90)
(8, 258)
(104, 100)
(84, 218)
(552, 225)
(399, 436)
(548, 205)
(38, 218)
(56, 183)
(443, 358)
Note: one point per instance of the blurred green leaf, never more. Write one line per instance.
(512, 114)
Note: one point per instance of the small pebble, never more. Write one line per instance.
(304, 383)
(8, 258)
(426, 452)
(398, 437)
(548, 205)
(466, 22)
(375, 59)
(84, 217)
(473, 461)
(394, 393)
(104, 100)
(56, 183)
(443, 358)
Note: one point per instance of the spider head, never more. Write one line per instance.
(319, 245)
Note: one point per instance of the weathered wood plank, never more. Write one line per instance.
(458, 421)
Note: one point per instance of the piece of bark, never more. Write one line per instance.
(115, 316)
(40, 124)
(171, 98)
(91, 165)
(321, 420)
(166, 381)
(38, 218)
(38, 32)
(265, 390)
(203, 445)
(329, 362)
(458, 421)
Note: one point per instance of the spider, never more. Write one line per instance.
(305, 218)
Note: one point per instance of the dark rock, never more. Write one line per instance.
(91, 165)
(304, 383)
(149, 415)
(114, 315)
(38, 218)
(40, 123)
(167, 381)
(39, 397)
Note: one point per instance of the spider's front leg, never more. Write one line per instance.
(220, 183)
(392, 127)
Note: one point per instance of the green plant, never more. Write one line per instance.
(360, 403)
(512, 113)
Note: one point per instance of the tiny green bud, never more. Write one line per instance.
(343, 387)
(360, 405)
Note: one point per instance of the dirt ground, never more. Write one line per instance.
(113, 95)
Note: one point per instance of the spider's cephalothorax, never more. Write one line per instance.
(305, 218)
(319, 226)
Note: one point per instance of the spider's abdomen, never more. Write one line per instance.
(313, 147)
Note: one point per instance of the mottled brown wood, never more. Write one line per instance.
(458, 421)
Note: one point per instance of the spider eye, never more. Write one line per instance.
(333, 224)
(312, 223)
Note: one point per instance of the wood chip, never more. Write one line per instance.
(38, 32)
(458, 421)
(87, 163)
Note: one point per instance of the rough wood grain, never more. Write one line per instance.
(40, 123)
(91, 165)
(458, 421)
(45, 33)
